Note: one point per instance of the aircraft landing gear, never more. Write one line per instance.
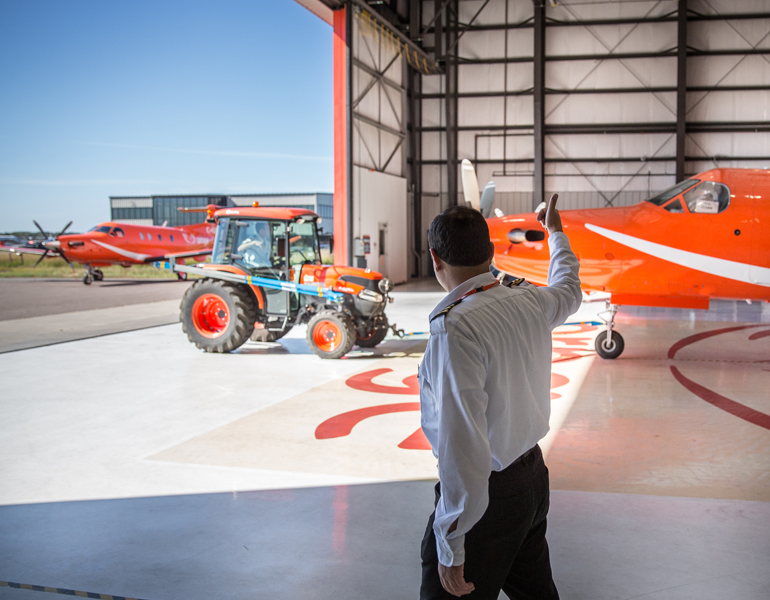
(181, 276)
(92, 274)
(609, 344)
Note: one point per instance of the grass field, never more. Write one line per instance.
(12, 266)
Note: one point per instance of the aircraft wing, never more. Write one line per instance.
(22, 250)
(189, 254)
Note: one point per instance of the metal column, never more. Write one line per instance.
(413, 127)
(452, 11)
(681, 90)
(538, 184)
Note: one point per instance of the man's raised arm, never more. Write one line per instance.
(562, 297)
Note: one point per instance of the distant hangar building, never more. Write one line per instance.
(157, 210)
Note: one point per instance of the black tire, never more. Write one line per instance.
(377, 333)
(88, 279)
(98, 275)
(326, 324)
(611, 350)
(224, 327)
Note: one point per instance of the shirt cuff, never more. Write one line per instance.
(558, 239)
(451, 553)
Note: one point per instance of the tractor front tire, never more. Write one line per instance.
(217, 316)
(376, 334)
(330, 334)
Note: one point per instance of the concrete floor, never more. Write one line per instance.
(134, 465)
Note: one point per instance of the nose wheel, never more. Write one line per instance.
(92, 275)
(609, 344)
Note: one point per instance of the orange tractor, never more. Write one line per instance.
(266, 276)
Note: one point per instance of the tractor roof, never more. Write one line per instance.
(267, 212)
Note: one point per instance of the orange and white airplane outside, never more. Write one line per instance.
(125, 245)
(706, 237)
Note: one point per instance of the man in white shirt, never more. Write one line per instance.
(485, 400)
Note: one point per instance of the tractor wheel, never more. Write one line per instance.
(217, 316)
(330, 334)
(611, 350)
(377, 333)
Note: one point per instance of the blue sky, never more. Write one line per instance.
(117, 98)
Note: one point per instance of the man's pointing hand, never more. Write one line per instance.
(549, 218)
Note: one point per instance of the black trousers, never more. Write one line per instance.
(506, 550)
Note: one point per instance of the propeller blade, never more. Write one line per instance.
(45, 235)
(42, 256)
(487, 199)
(470, 184)
(60, 253)
(65, 229)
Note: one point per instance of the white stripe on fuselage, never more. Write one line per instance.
(122, 252)
(699, 262)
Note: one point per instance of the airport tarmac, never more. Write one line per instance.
(135, 465)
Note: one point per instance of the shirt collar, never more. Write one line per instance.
(462, 289)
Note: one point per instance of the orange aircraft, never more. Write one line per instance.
(123, 244)
(706, 237)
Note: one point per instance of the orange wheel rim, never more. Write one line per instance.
(327, 336)
(210, 315)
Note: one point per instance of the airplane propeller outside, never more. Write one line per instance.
(52, 245)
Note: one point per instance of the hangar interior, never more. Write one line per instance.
(138, 467)
(604, 102)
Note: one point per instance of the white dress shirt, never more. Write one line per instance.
(485, 385)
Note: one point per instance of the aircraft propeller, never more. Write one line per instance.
(471, 190)
(52, 245)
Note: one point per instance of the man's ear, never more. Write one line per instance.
(491, 251)
(437, 262)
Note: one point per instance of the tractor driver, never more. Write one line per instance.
(255, 245)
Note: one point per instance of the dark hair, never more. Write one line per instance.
(460, 237)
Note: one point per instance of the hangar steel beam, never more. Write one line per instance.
(413, 122)
(538, 184)
(681, 89)
(451, 30)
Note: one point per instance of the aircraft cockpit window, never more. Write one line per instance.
(664, 197)
(709, 197)
(117, 232)
(103, 229)
(674, 207)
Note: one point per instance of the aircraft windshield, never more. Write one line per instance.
(664, 197)
(709, 197)
(303, 246)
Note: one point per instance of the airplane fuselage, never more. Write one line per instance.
(667, 254)
(120, 243)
